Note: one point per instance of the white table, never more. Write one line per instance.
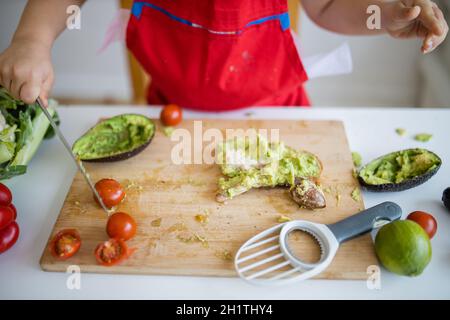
(39, 196)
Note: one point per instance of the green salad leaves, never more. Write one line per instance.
(22, 129)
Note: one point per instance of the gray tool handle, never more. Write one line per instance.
(365, 221)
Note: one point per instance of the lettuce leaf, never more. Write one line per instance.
(12, 171)
(22, 129)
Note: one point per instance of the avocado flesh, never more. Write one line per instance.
(256, 163)
(399, 167)
(117, 138)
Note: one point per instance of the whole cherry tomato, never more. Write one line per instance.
(110, 191)
(171, 115)
(121, 226)
(5, 195)
(13, 208)
(425, 220)
(9, 236)
(6, 216)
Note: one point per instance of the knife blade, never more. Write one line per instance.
(78, 162)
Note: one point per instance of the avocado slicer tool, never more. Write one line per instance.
(268, 259)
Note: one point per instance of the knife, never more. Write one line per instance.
(77, 161)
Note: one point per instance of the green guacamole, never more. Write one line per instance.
(357, 159)
(399, 166)
(114, 136)
(254, 163)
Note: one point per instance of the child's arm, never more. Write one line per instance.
(25, 66)
(401, 19)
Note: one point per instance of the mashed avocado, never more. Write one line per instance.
(399, 166)
(423, 137)
(114, 136)
(253, 162)
(400, 131)
(357, 159)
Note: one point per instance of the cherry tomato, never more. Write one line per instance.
(5, 195)
(65, 244)
(111, 252)
(6, 216)
(425, 220)
(110, 191)
(121, 226)
(171, 115)
(13, 208)
(9, 236)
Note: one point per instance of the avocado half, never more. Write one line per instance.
(114, 139)
(400, 170)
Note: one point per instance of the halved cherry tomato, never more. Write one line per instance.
(121, 226)
(425, 220)
(5, 195)
(13, 208)
(9, 236)
(110, 191)
(65, 244)
(6, 216)
(112, 252)
(171, 115)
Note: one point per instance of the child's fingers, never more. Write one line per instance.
(430, 20)
(30, 88)
(406, 14)
(403, 13)
(45, 89)
(6, 79)
(15, 87)
(432, 41)
(44, 99)
(422, 32)
(427, 45)
(30, 91)
(438, 13)
(5, 82)
(1, 79)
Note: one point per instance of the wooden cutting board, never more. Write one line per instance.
(165, 198)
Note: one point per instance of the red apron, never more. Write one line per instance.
(217, 55)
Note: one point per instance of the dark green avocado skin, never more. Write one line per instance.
(404, 185)
(446, 198)
(123, 155)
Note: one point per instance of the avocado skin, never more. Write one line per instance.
(124, 155)
(404, 185)
(446, 198)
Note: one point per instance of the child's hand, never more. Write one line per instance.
(417, 18)
(26, 71)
